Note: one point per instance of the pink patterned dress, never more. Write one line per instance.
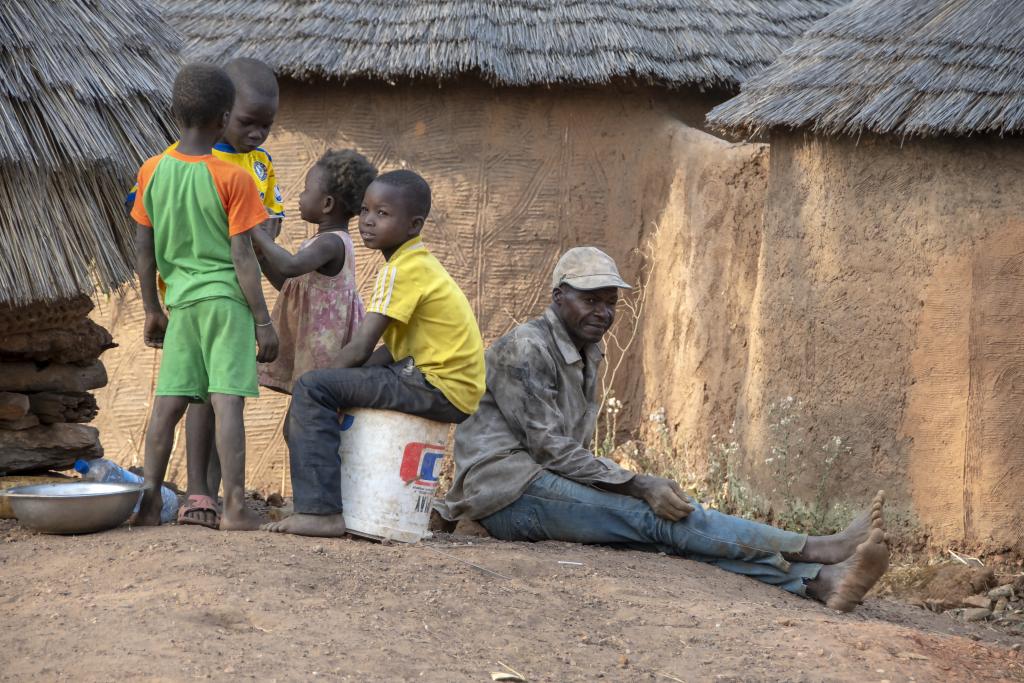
(315, 316)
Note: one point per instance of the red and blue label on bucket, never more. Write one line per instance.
(421, 464)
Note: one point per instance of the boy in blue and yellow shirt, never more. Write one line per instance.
(252, 116)
(431, 363)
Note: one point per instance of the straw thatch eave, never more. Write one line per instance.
(513, 43)
(84, 98)
(894, 67)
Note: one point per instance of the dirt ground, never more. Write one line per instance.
(179, 603)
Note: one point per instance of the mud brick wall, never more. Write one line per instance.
(875, 282)
(890, 300)
(518, 176)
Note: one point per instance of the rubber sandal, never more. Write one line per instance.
(199, 504)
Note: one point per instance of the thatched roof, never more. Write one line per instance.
(83, 99)
(904, 67)
(507, 42)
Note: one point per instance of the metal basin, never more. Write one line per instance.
(74, 507)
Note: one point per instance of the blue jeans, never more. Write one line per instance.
(554, 508)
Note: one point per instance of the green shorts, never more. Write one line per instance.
(209, 348)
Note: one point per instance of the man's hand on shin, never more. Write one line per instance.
(666, 497)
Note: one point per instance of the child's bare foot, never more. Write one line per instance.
(237, 517)
(835, 548)
(328, 526)
(149, 510)
(843, 586)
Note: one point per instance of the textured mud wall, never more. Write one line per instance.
(518, 176)
(890, 301)
(704, 270)
(880, 285)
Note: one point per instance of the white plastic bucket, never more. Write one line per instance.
(390, 463)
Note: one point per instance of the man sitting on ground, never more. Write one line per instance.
(523, 470)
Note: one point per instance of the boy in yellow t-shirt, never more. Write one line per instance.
(252, 116)
(430, 365)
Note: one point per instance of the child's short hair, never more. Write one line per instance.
(347, 173)
(254, 75)
(414, 187)
(202, 94)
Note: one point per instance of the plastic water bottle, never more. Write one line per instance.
(105, 471)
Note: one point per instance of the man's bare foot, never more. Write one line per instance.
(149, 510)
(237, 517)
(328, 526)
(843, 586)
(835, 548)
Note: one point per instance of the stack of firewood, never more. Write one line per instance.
(49, 361)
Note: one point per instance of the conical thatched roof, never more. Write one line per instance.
(511, 42)
(83, 99)
(905, 67)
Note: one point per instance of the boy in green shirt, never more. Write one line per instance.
(255, 108)
(194, 213)
(252, 116)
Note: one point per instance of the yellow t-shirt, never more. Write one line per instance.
(432, 321)
(256, 163)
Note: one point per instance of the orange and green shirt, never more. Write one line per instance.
(195, 205)
(256, 163)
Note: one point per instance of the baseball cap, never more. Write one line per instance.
(587, 268)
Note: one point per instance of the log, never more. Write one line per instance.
(45, 315)
(51, 447)
(29, 377)
(24, 422)
(13, 406)
(74, 406)
(82, 341)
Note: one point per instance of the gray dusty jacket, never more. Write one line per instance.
(538, 413)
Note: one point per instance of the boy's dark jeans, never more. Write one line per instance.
(313, 434)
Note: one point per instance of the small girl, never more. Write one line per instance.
(319, 307)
